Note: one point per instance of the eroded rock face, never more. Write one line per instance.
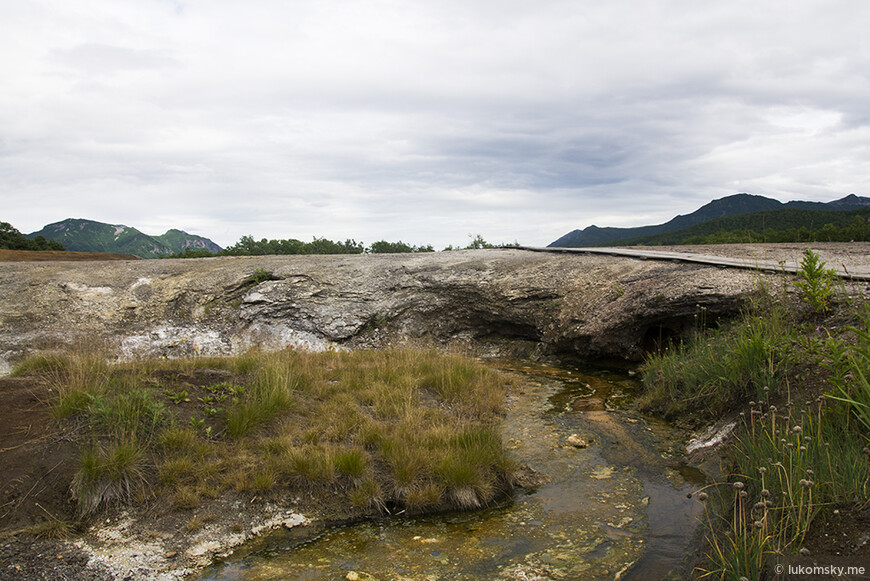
(506, 301)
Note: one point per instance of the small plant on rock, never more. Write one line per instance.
(816, 282)
(260, 275)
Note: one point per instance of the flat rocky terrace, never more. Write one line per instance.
(500, 301)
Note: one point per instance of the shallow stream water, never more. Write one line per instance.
(616, 509)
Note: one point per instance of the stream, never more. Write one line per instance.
(615, 509)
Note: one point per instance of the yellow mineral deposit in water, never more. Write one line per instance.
(614, 508)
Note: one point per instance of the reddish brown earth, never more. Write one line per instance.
(59, 255)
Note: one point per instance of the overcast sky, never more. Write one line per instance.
(424, 121)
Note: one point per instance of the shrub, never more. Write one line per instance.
(260, 275)
(816, 282)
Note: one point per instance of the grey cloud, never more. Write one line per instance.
(108, 59)
(428, 121)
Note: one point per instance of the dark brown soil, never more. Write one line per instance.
(38, 457)
(841, 531)
(33, 559)
(38, 460)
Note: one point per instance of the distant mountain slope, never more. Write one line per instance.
(770, 222)
(90, 236)
(728, 206)
(179, 241)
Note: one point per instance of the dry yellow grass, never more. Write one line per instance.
(414, 428)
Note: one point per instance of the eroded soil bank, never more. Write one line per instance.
(505, 301)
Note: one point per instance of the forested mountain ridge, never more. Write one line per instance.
(735, 205)
(91, 236)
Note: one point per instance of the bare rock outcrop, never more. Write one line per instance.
(506, 301)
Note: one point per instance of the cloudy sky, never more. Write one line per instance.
(424, 121)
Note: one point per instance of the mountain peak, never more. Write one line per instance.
(83, 235)
(850, 201)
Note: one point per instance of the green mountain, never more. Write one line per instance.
(90, 236)
(179, 241)
(737, 204)
(787, 225)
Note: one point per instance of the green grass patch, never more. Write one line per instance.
(107, 475)
(716, 370)
(352, 462)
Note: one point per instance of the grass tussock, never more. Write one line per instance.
(51, 529)
(76, 375)
(107, 475)
(405, 428)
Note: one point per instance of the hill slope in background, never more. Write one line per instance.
(179, 241)
(90, 236)
(766, 227)
(734, 205)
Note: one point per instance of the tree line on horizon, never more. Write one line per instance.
(12, 239)
(798, 225)
(248, 246)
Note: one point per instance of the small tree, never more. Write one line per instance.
(816, 282)
(477, 243)
(384, 247)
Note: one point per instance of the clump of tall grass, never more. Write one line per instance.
(52, 528)
(788, 465)
(368, 494)
(107, 475)
(352, 462)
(475, 388)
(271, 393)
(714, 370)
(849, 363)
(131, 413)
(76, 376)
